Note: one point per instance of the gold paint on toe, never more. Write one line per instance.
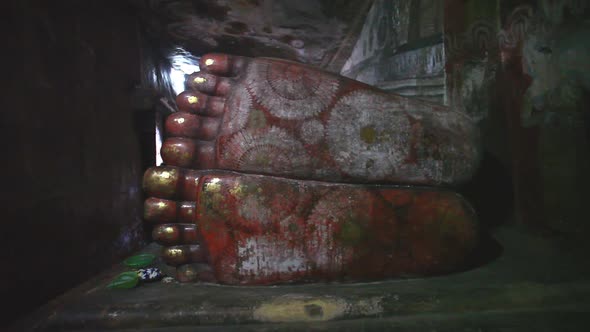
(213, 185)
(193, 99)
(200, 80)
(209, 62)
(237, 191)
(163, 180)
(174, 252)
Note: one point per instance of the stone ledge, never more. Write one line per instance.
(534, 277)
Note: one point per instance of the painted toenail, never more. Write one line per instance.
(209, 62)
(213, 185)
(193, 99)
(179, 120)
(200, 80)
(174, 252)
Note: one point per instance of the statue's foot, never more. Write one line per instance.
(281, 118)
(256, 229)
(270, 116)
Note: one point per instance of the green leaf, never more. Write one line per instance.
(139, 261)
(125, 280)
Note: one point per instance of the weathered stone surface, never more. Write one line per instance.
(283, 118)
(427, 88)
(516, 291)
(195, 272)
(264, 230)
(369, 218)
(521, 70)
(400, 49)
(315, 32)
(260, 229)
(425, 62)
(353, 224)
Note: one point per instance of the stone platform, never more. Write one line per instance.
(535, 283)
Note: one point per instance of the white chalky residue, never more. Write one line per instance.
(330, 212)
(312, 132)
(264, 256)
(384, 119)
(431, 169)
(319, 243)
(422, 62)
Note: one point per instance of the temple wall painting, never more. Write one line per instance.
(400, 49)
(520, 68)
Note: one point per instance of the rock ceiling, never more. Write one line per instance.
(318, 32)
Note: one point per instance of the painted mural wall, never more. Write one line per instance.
(520, 68)
(400, 49)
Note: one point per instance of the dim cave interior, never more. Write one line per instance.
(489, 201)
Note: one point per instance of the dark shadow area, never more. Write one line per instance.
(144, 125)
(71, 200)
(488, 251)
(490, 192)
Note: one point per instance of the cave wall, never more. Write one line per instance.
(72, 158)
(75, 142)
(520, 68)
(317, 32)
(405, 47)
(400, 49)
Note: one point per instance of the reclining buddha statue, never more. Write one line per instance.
(277, 172)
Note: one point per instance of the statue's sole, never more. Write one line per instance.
(265, 230)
